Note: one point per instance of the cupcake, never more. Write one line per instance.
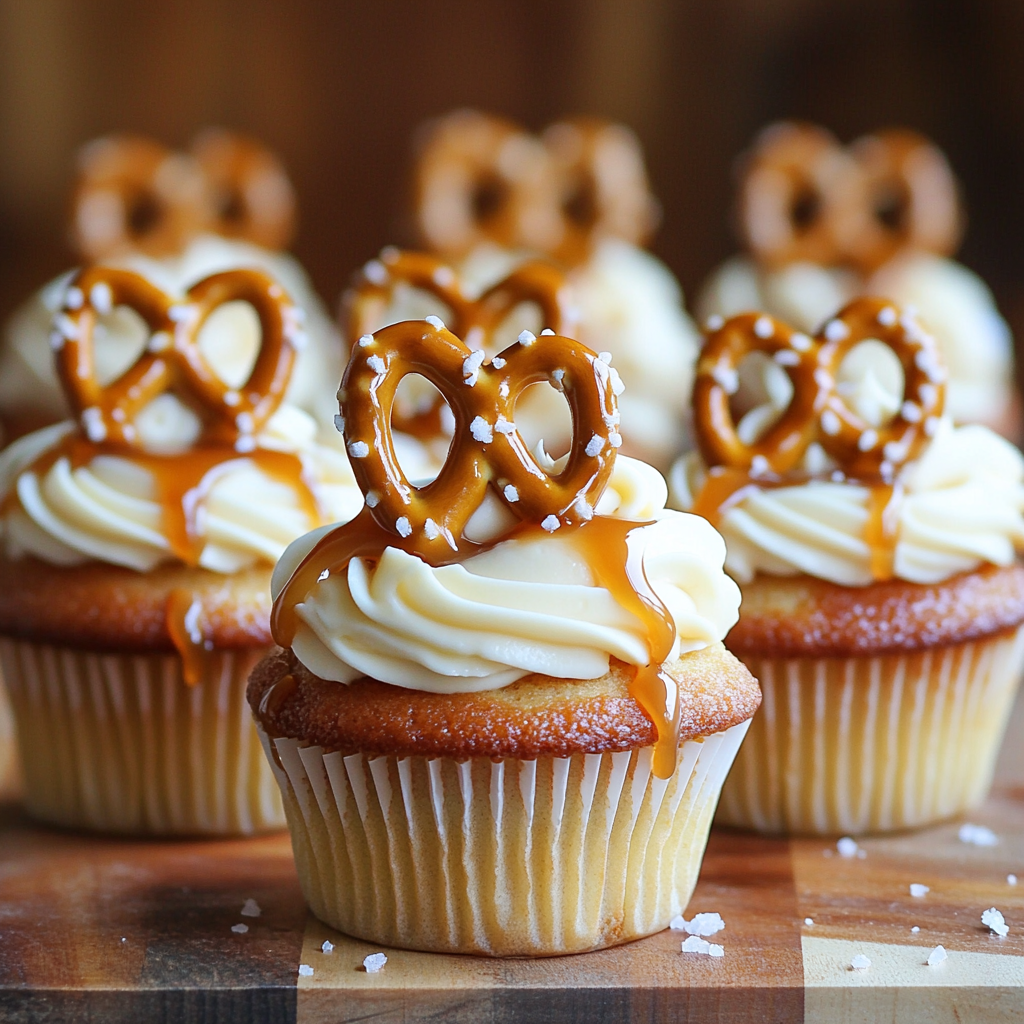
(489, 196)
(502, 712)
(822, 223)
(175, 218)
(876, 546)
(137, 544)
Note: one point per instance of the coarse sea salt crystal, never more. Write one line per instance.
(374, 962)
(327, 947)
(860, 962)
(305, 971)
(977, 835)
(1011, 879)
(701, 924)
(695, 944)
(239, 929)
(251, 909)
(936, 956)
(917, 889)
(993, 919)
(808, 921)
(914, 930)
(847, 847)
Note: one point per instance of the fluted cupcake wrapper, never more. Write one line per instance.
(873, 744)
(10, 769)
(120, 743)
(504, 858)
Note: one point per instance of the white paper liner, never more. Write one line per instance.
(120, 743)
(505, 858)
(852, 745)
(10, 770)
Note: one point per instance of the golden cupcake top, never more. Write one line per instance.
(506, 563)
(831, 454)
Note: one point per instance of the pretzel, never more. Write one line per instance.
(135, 195)
(911, 197)
(480, 179)
(487, 449)
(601, 187)
(818, 411)
(249, 192)
(172, 360)
(800, 197)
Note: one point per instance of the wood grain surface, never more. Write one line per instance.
(98, 929)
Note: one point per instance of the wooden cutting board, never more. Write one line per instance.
(101, 929)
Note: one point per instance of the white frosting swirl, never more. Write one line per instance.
(952, 302)
(108, 510)
(28, 381)
(520, 607)
(957, 507)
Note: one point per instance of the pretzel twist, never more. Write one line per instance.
(487, 450)
(818, 412)
(173, 360)
(911, 198)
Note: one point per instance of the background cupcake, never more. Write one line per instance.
(876, 548)
(823, 223)
(176, 218)
(138, 540)
(504, 714)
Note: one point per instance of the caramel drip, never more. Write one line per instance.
(183, 480)
(183, 624)
(720, 487)
(604, 543)
(880, 531)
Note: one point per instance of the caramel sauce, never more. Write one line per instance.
(602, 541)
(183, 480)
(721, 488)
(183, 624)
(880, 530)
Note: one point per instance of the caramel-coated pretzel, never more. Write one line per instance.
(487, 449)
(601, 186)
(172, 360)
(135, 195)
(818, 411)
(800, 197)
(911, 195)
(249, 192)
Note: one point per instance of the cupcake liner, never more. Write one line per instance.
(120, 743)
(873, 744)
(10, 771)
(502, 858)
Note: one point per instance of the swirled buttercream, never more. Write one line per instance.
(108, 508)
(957, 507)
(518, 607)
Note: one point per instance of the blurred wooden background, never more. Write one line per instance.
(338, 86)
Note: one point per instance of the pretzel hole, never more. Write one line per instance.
(871, 382)
(805, 209)
(144, 214)
(230, 340)
(489, 198)
(542, 416)
(422, 425)
(891, 206)
(118, 339)
(764, 394)
(406, 303)
(580, 205)
(524, 316)
(166, 425)
(230, 206)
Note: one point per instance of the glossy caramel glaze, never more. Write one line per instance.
(106, 607)
(534, 717)
(801, 616)
(817, 413)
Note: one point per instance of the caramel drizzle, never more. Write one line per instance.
(603, 541)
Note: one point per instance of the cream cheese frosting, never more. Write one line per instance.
(518, 607)
(958, 506)
(108, 509)
(28, 383)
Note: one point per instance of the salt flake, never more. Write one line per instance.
(374, 962)
(936, 956)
